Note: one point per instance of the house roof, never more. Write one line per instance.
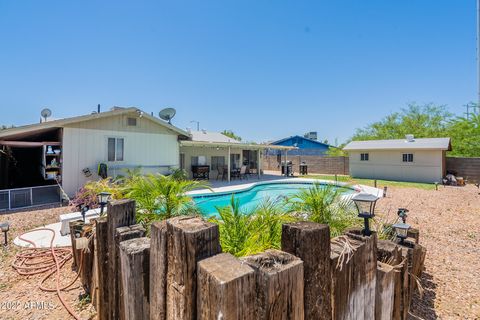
(204, 144)
(398, 144)
(65, 121)
(210, 136)
(298, 136)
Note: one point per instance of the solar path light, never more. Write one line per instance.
(365, 204)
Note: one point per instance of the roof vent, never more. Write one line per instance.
(410, 137)
(204, 131)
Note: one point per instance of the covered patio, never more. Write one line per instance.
(224, 161)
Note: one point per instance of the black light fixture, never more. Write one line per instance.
(385, 191)
(83, 210)
(103, 198)
(403, 214)
(401, 229)
(5, 226)
(365, 203)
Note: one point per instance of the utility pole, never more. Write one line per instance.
(198, 122)
(478, 53)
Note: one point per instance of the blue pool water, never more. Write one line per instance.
(250, 198)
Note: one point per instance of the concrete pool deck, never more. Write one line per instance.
(221, 187)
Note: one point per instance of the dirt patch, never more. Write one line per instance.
(449, 220)
(20, 297)
(449, 223)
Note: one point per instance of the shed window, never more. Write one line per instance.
(217, 162)
(115, 149)
(363, 156)
(407, 157)
(132, 122)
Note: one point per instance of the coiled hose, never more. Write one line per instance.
(35, 260)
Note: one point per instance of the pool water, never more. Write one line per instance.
(251, 198)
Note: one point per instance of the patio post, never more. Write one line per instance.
(228, 164)
(286, 169)
(258, 162)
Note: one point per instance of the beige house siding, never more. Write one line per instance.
(120, 123)
(87, 147)
(427, 165)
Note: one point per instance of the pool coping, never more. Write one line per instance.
(358, 188)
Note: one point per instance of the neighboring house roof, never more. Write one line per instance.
(399, 144)
(210, 136)
(277, 142)
(253, 146)
(65, 121)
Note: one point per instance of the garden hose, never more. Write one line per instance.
(46, 260)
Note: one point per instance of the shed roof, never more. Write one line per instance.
(399, 144)
(65, 121)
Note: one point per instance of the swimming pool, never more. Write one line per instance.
(252, 197)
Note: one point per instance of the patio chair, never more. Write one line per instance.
(243, 172)
(222, 171)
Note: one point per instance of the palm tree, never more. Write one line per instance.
(248, 232)
(324, 204)
(161, 197)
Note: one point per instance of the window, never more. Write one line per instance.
(199, 160)
(217, 162)
(131, 122)
(407, 157)
(235, 160)
(115, 149)
(363, 156)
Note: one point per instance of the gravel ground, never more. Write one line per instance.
(449, 223)
(20, 297)
(448, 219)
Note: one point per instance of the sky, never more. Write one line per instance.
(264, 69)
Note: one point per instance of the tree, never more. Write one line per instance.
(231, 134)
(423, 121)
(465, 134)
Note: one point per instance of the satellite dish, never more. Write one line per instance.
(167, 114)
(45, 113)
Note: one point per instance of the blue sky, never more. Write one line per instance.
(265, 69)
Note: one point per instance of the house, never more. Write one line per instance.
(304, 145)
(207, 151)
(69, 151)
(409, 159)
(39, 163)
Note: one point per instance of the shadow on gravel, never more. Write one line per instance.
(424, 307)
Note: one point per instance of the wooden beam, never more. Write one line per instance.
(226, 289)
(310, 242)
(29, 144)
(134, 263)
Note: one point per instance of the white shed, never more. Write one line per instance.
(409, 159)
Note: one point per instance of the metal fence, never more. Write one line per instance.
(11, 199)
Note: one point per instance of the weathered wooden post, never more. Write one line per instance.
(311, 242)
(135, 266)
(389, 252)
(158, 267)
(101, 245)
(120, 213)
(75, 232)
(367, 263)
(279, 285)
(123, 234)
(189, 240)
(343, 271)
(385, 292)
(226, 289)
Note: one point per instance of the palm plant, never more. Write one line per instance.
(248, 232)
(324, 204)
(161, 197)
